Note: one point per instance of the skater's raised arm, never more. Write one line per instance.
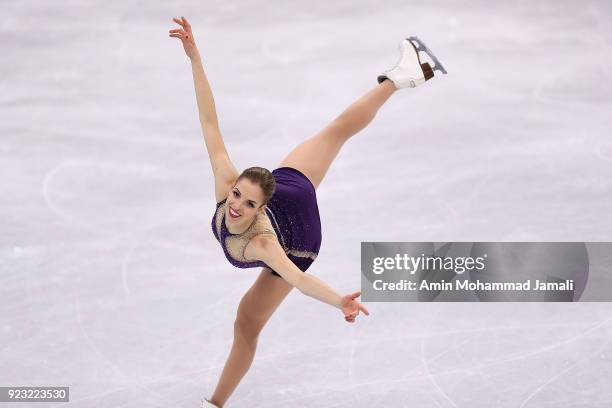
(223, 169)
(268, 250)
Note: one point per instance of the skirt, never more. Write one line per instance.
(294, 214)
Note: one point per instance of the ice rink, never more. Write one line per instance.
(112, 282)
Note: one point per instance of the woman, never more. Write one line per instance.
(271, 220)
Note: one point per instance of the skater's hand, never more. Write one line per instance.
(185, 35)
(351, 307)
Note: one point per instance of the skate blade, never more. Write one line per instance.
(420, 46)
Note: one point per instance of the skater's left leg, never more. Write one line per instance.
(314, 156)
(254, 311)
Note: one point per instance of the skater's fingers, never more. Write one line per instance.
(176, 30)
(187, 25)
(364, 310)
(179, 36)
(176, 20)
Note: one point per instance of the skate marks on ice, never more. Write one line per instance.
(473, 368)
(125, 377)
(581, 86)
(589, 355)
(445, 357)
(107, 197)
(124, 202)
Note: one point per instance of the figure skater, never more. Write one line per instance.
(271, 219)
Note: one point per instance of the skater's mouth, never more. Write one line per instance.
(233, 213)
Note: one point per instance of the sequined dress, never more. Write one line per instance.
(292, 215)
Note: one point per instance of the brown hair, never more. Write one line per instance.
(263, 177)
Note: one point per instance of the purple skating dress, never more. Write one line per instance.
(292, 214)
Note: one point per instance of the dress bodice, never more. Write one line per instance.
(291, 214)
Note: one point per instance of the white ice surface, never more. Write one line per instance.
(113, 284)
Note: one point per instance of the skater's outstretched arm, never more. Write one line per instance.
(267, 249)
(223, 169)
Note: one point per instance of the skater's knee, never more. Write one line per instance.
(247, 329)
(247, 325)
(349, 123)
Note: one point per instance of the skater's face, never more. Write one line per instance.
(244, 201)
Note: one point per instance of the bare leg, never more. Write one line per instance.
(255, 309)
(314, 156)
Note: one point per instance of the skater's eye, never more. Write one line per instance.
(252, 203)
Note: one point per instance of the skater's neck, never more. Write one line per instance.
(242, 230)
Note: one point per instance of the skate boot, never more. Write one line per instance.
(409, 71)
(207, 404)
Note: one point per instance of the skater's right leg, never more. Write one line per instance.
(314, 156)
(255, 309)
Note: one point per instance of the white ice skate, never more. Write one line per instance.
(207, 404)
(409, 71)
